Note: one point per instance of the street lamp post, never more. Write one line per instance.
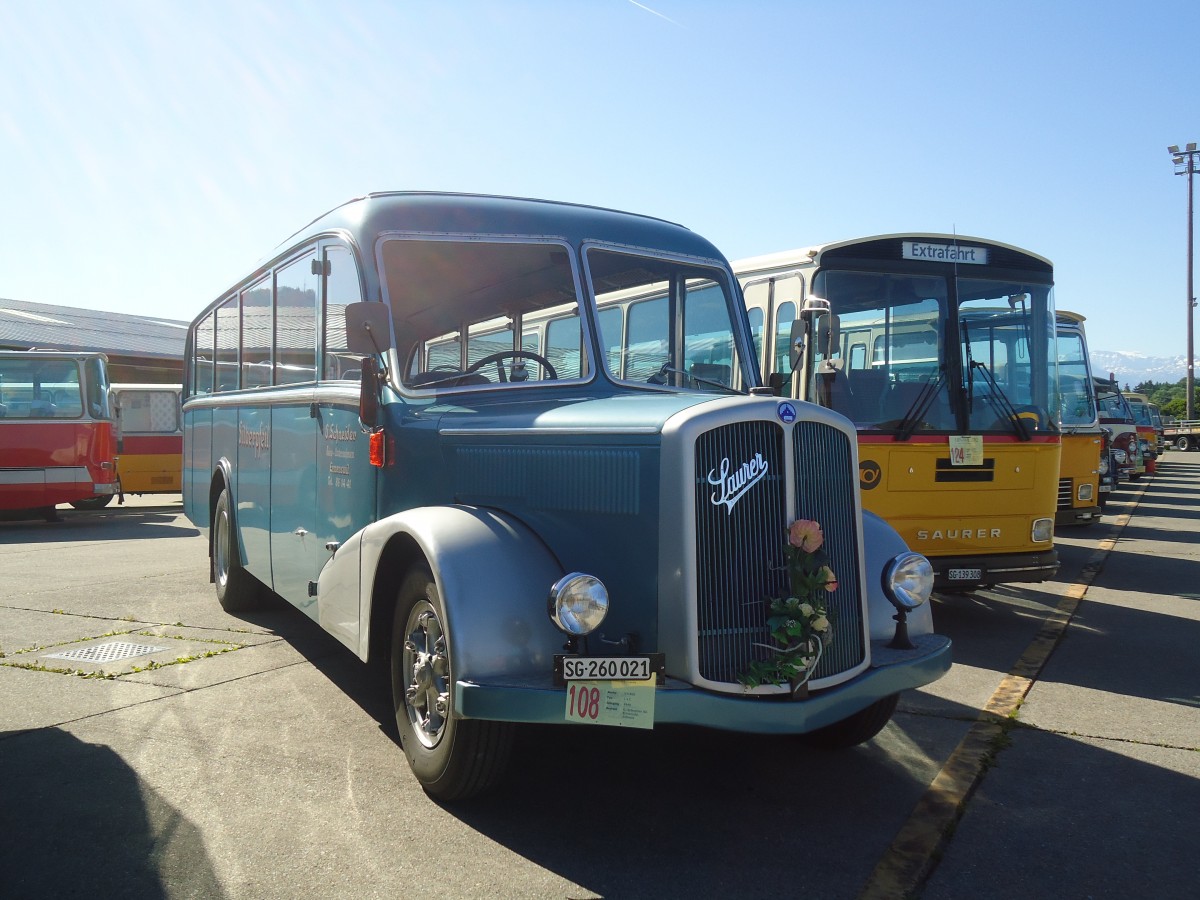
(1185, 164)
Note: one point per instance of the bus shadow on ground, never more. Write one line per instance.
(77, 821)
(141, 522)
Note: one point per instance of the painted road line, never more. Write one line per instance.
(912, 854)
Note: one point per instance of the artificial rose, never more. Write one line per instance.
(797, 623)
(828, 578)
(805, 534)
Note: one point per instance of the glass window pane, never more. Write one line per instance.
(228, 337)
(256, 334)
(444, 292)
(341, 289)
(296, 322)
(202, 350)
(40, 389)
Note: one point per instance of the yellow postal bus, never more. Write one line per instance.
(941, 350)
(1079, 499)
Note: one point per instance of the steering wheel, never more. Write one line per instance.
(512, 354)
(1032, 414)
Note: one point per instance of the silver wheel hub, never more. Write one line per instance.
(426, 672)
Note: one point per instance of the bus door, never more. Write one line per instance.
(243, 431)
(345, 490)
(295, 548)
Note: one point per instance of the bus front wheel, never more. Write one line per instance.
(236, 589)
(856, 729)
(452, 758)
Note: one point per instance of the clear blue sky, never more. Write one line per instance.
(153, 151)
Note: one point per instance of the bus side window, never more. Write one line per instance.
(202, 373)
(257, 325)
(228, 340)
(296, 322)
(341, 289)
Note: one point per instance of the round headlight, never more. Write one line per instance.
(1103, 465)
(908, 580)
(1120, 456)
(578, 603)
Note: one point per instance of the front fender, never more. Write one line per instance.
(882, 543)
(494, 577)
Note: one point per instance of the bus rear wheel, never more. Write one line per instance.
(93, 502)
(236, 589)
(856, 729)
(452, 758)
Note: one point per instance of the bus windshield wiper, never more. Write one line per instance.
(920, 406)
(660, 377)
(1000, 403)
(996, 398)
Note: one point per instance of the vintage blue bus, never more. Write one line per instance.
(520, 451)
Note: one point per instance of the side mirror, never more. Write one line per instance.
(368, 393)
(368, 328)
(796, 342)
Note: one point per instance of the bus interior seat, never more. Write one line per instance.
(866, 389)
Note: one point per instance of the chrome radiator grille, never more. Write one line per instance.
(826, 483)
(739, 554)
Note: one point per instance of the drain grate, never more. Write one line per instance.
(109, 652)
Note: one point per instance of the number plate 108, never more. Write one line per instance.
(607, 668)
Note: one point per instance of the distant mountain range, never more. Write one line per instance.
(1134, 368)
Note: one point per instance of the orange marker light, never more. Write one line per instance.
(378, 454)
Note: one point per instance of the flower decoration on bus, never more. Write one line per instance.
(799, 623)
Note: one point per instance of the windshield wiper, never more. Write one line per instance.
(1000, 403)
(920, 405)
(660, 377)
(997, 399)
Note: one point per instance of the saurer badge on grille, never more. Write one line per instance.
(732, 486)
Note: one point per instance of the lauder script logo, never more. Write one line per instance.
(733, 485)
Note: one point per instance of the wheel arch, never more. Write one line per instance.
(493, 575)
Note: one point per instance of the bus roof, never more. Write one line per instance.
(365, 219)
(808, 255)
(1066, 317)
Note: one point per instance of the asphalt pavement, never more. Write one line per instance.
(252, 756)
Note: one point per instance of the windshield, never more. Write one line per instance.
(884, 357)
(1141, 413)
(475, 313)
(40, 388)
(664, 322)
(1113, 407)
(472, 313)
(1077, 401)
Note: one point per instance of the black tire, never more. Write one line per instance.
(856, 729)
(93, 502)
(452, 758)
(237, 591)
(1182, 443)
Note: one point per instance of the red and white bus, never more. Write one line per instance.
(56, 430)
